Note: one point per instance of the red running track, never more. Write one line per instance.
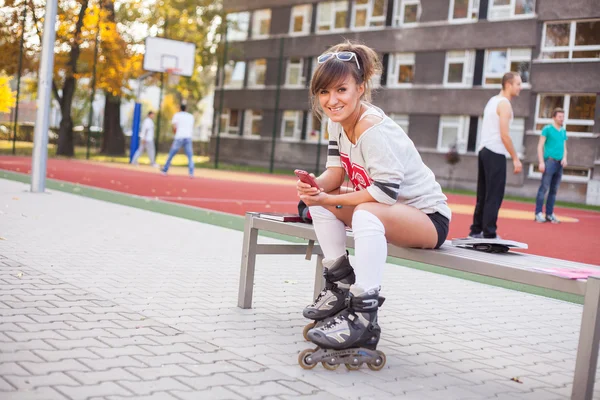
(237, 193)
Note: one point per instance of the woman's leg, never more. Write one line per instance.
(330, 231)
(375, 225)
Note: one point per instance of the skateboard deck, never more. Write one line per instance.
(489, 245)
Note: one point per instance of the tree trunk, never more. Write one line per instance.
(65, 145)
(65, 131)
(113, 142)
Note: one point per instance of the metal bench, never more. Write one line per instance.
(512, 266)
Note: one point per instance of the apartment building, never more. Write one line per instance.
(442, 61)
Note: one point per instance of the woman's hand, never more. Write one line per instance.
(319, 199)
(304, 189)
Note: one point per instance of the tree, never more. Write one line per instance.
(7, 96)
(66, 69)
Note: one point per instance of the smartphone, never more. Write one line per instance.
(306, 178)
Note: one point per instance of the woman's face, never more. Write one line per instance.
(341, 99)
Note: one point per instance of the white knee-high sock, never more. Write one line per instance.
(331, 233)
(371, 251)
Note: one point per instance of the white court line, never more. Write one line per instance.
(218, 200)
(581, 215)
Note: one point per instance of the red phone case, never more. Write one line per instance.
(306, 178)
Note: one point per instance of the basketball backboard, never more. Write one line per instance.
(165, 54)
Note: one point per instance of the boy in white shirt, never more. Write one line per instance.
(146, 140)
(183, 127)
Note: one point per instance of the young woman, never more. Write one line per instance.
(395, 198)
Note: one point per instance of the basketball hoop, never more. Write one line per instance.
(173, 75)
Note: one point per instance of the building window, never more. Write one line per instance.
(569, 174)
(331, 16)
(500, 61)
(579, 109)
(463, 10)
(458, 71)
(230, 122)
(256, 72)
(400, 119)
(234, 74)
(368, 14)
(300, 21)
(253, 123)
(406, 12)
(237, 26)
(454, 131)
(516, 132)
(291, 125)
(505, 9)
(316, 129)
(401, 69)
(574, 40)
(261, 23)
(294, 76)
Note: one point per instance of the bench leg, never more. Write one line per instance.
(589, 338)
(319, 280)
(248, 263)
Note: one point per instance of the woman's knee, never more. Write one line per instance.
(320, 213)
(365, 223)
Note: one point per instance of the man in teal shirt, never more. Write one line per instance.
(552, 157)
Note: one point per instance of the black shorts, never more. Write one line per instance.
(442, 224)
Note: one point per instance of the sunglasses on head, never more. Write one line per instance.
(342, 56)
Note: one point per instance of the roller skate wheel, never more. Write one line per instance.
(330, 365)
(378, 363)
(308, 328)
(355, 366)
(305, 359)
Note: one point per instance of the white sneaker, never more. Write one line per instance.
(552, 218)
(539, 218)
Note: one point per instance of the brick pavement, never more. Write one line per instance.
(103, 301)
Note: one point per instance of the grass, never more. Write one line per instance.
(237, 223)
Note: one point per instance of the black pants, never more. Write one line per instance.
(491, 180)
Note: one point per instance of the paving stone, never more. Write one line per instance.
(33, 382)
(262, 390)
(54, 366)
(99, 390)
(96, 377)
(216, 393)
(145, 388)
(151, 373)
(106, 292)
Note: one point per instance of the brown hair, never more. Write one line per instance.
(556, 111)
(508, 78)
(334, 70)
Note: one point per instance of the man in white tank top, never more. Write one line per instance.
(495, 145)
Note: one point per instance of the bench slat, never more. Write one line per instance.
(513, 266)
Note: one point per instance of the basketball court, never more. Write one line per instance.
(235, 193)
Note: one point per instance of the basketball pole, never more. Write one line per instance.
(277, 92)
(218, 139)
(42, 119)
(21, 45)
(162, 85)
(93, 95)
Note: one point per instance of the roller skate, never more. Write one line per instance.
(339, 275)
(349, 338)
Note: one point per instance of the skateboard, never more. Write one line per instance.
(489, 245)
